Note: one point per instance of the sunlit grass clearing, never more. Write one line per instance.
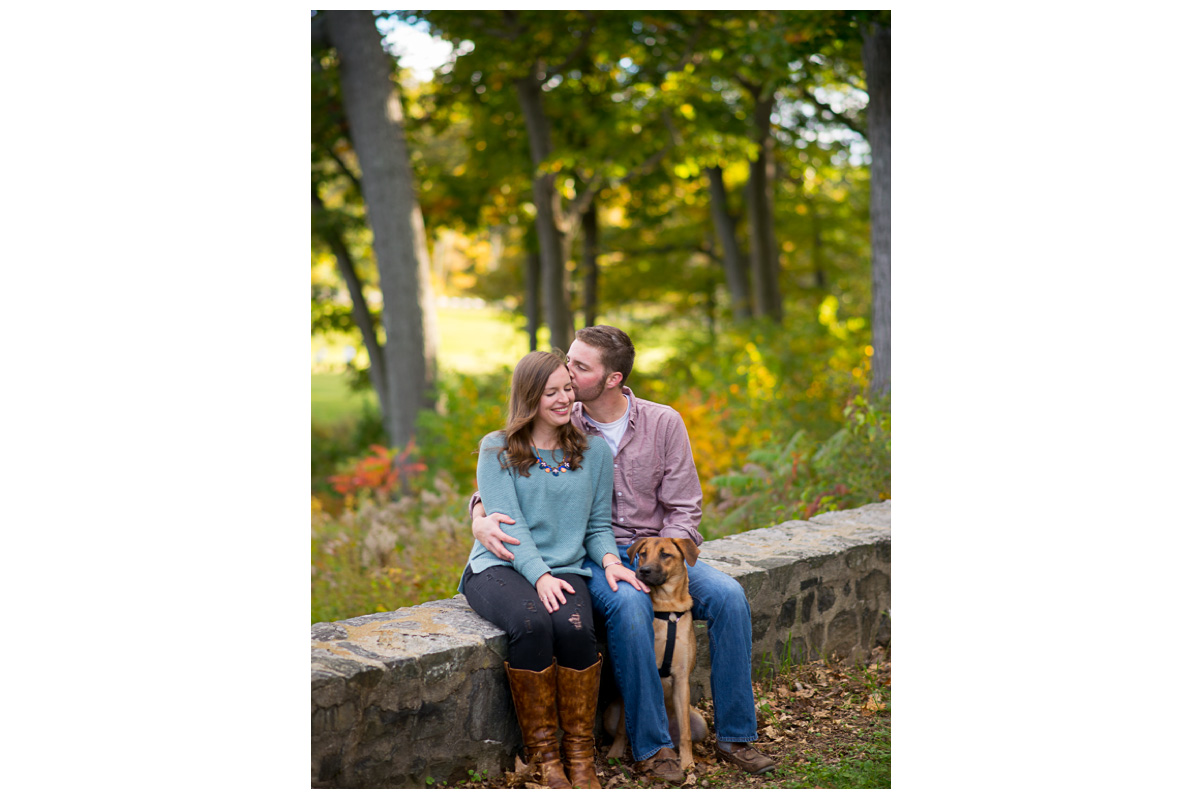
(470, 341)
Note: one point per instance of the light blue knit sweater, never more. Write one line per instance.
(559, 518)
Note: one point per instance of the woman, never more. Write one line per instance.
(541, 471)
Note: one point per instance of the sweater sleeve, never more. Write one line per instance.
(497, 488)
(598, 540)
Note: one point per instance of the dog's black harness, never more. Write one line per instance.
(670, 618)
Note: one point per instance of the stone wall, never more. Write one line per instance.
(421, 693)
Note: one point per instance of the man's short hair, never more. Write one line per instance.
(616, 351)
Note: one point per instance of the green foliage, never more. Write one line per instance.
(470, 407)
(755, 384)
(772, 667)
(801, 478)
(868, 767)
(379, 555)
(859, 454)
(639, 105)
(776, 377)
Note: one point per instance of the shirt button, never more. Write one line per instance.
(622, 519)
(618, 494)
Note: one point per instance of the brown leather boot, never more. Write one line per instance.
(533, 696)
(578, 691)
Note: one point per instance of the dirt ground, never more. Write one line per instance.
(826, 724)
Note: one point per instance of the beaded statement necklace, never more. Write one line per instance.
(563, 467)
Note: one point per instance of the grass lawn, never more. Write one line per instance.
(332, 400)
(472, 341)
(477, 341)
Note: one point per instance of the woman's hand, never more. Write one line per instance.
(550, 589)
(616, 571)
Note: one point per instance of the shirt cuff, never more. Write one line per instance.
(672, 532)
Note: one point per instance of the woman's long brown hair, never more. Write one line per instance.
(524, 398)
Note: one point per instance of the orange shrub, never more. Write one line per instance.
(719, 441)
(378, 474)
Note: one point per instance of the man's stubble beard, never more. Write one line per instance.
(585, 397)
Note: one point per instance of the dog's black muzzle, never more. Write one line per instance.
(651, 574)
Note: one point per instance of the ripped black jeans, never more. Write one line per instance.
(503, 597)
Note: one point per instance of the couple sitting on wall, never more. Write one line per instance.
(583, 469)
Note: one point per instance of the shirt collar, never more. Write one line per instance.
(585, 422)
(633, 409)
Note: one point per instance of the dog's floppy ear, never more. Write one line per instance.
(688, 549)
(636, 548)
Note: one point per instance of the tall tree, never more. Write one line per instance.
(376, 122)
(760, 196)
(334, 226)
(526, 51)
(326, 228)
(733, 260)
(545, 198)
(581, 141)
(877, 58)
(621, 93)
(591, 266)
(755, 81)
(533, 288)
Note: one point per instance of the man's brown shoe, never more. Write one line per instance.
(662, 766)
(745, 756)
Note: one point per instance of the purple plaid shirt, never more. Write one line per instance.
(656, 491)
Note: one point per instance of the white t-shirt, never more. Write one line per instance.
(612, 431)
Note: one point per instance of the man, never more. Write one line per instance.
(656, 492)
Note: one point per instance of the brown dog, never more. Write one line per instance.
(662, 565)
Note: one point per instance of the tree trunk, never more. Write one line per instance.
(376, 366)
(818, 258)
(710, 310)
(533, 271)
(764, 252)
(547, 202)
(736, 279)
(877, 58)
(376, 122)
(591, 267)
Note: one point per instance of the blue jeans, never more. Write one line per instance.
(629, 620)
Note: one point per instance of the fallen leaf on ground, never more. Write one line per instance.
(521, 771)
